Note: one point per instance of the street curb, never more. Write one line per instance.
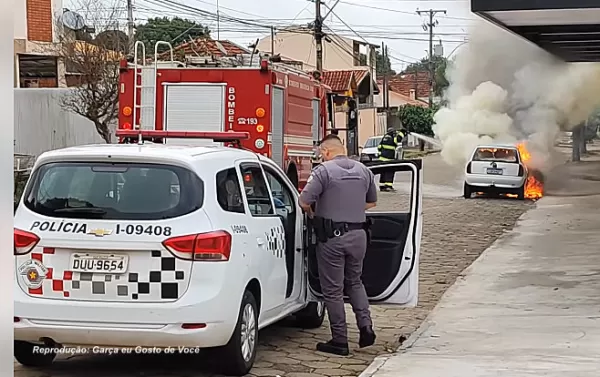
(380, 361)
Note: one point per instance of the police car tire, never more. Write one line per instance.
(232, 359)
(24, 354)
(312, 316)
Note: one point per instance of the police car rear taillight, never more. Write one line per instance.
(24, 241)
(210, 247)
(469, 168)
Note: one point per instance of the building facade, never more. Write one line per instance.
(345, 61)
(35, 32)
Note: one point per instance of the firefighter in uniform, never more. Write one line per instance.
(387, 151)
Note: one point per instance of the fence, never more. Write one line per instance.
(42, 125)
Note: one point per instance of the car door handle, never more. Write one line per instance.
(260, 241)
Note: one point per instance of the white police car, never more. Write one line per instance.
(163, 246)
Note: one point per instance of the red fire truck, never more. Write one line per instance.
(284, 110)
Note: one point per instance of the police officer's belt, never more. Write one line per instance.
(326, 229)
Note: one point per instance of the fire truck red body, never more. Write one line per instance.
(284, 110)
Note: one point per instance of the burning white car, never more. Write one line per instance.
(497, 169)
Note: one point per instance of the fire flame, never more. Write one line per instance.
(534, 188)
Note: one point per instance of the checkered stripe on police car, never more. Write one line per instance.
(163, 278)
(276, 241)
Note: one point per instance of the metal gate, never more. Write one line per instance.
(277, 124)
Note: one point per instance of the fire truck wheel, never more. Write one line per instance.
(31, 355)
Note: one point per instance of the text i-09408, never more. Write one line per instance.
(138, 229)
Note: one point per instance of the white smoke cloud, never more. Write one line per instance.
(505, 90)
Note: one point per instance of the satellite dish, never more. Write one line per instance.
(72, 20)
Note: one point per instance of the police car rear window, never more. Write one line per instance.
(113, 191)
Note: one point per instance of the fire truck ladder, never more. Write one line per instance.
(144, 93)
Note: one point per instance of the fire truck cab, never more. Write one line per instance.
(285, 111)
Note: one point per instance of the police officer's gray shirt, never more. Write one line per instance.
(340, 188)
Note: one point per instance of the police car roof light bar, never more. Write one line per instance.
(215, 136)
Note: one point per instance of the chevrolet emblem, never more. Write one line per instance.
(99, 232)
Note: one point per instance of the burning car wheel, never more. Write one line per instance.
(467, 191)
(521, 193)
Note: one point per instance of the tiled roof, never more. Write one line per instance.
(404, 83)
(404, 97)
(209, 47)
(338, 81)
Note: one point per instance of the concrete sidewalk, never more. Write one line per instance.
(529, 306)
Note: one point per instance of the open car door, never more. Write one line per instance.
(391, 265)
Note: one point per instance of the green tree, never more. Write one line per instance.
(174, 30)
(417, 119)
(440, 64)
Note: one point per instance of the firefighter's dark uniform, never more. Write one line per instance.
(387, 151)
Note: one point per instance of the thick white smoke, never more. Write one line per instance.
(504, 90)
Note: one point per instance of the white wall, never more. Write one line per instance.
(40, 124)
(20, 19)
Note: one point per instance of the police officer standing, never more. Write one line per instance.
(387, 151)
(336, 196)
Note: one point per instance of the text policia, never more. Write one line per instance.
(97, 350)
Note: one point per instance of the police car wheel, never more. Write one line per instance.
(27, 355)
(312, 316)
(240, 352)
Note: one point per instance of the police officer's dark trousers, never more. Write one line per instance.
(340, 261)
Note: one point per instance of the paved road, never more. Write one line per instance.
(455, 232)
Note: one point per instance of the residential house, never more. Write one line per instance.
(342, 67)
(414, 85)
(395, 100)
(208, 48)
(35, 29)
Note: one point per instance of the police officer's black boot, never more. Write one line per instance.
(340, 349)
(367, 337)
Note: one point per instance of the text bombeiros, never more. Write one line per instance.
(98, 350)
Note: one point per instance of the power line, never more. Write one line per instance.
(399, 11)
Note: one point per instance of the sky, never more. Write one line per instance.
(393, 22)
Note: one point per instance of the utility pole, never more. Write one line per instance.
(218, 22)
(272, 40)
(130, 26)
(430, 25)
(318, 31)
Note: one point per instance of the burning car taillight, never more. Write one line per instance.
(469, 168)
(209, 247)
(521, 171)
(24, 241)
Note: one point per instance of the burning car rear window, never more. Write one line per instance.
(496, 154)
(113, 191)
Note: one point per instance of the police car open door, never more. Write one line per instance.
(391, 265)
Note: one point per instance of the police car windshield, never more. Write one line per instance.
(119, 191)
